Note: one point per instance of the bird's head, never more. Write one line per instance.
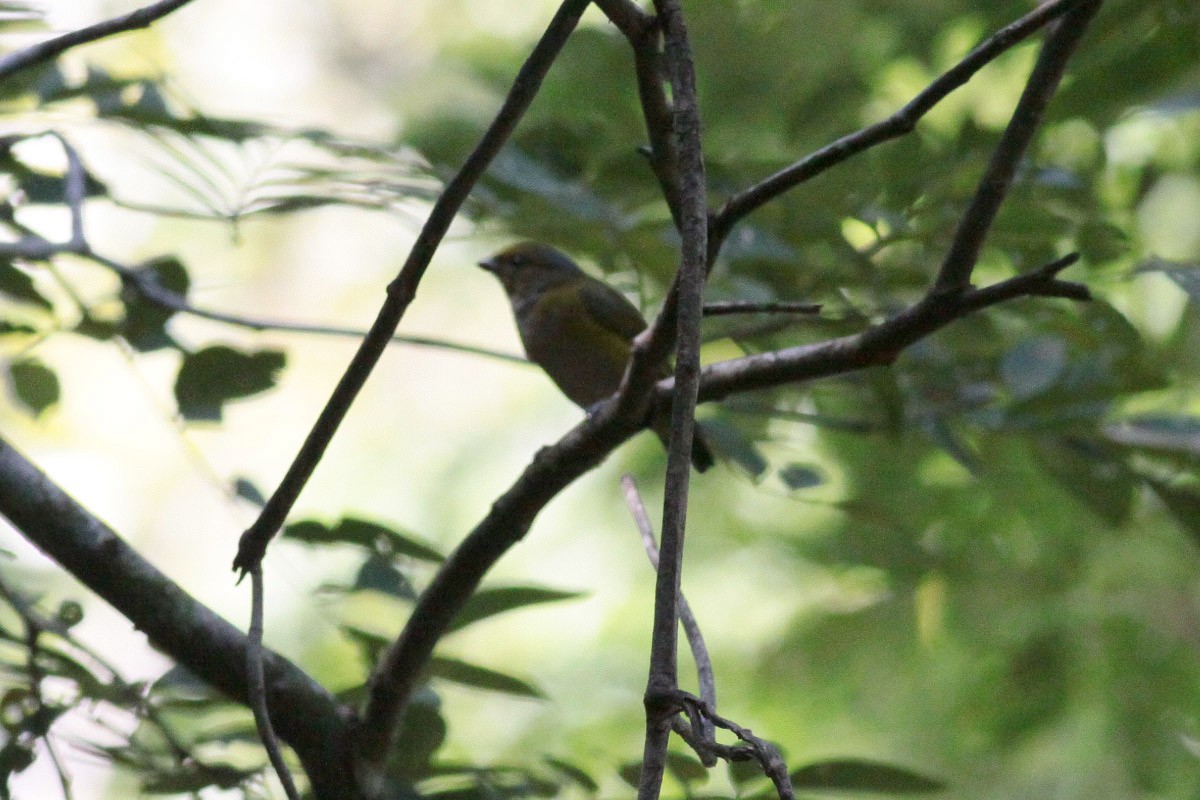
(531, 268)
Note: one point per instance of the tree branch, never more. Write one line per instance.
(689, 298)
(878, 345)
(307, 716)
(51, 48)
(898, 124)
(391, 683)
(687, 620)
(955, 273)
(402, 290)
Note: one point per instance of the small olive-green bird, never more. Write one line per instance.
(576, 328)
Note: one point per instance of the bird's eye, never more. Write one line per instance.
(517, 261)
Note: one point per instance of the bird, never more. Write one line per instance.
(577, 328)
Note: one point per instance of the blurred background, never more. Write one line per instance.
(979, 564)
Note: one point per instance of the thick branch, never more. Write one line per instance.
(51, 48)
(403, 289)
(898, 124)
(973, 228)
(306, 715)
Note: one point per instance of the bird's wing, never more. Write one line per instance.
(609, 307)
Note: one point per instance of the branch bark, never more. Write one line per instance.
(305, 714)
(403, 289)
(52, 48)
(898, 124)
(692, 220)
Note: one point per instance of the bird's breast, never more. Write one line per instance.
(582, 356)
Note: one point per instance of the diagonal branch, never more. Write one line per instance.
(52, 48)
(403, 289)
(898, 124)
(307, 716)
(955, 273)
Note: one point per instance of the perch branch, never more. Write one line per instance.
(52, 48)
(402, 290)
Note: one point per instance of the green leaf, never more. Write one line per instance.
(572, 773)
(380, 574)
(34, 384)
(1185, 275)
(1101, 242)
(421, 733)
(854, 775)
(1033, 365)
(248, 491)
(9, 328)
(145, 321)
(1183, 501)
(1171, 433)
(362, 533)
(1092, 471)
(801, 476)
(194, 777)
(745, 772)
(686, 769)
(464, 674)
(631, 773)
(215, 375)
(19, 286)
(490, 602)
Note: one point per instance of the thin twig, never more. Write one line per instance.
(256, 685)
(51, 48)
(976, 222)
(390, 692)
(691, 628)
(879, 344)
(729, 307)
(898, 124)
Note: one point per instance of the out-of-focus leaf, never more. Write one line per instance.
(1186, 275)
(248, 491)
(363, 533)
(745, 772)
(476, 677)
(728, 442)
(801, 476)
(1183, 501)
(380, 574)
(422, 732)
(193, 777)
(1033, 365)
(685, 768)
(1164, 432)
(572, 773)
(631, 773)
(18, 286)
(490, 602)
(855, 775)
(1101, 242)
(34, 384)
(215, 375)
(1093, 472)
(9, 328)
(145, 321)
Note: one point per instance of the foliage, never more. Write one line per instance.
(1021, 489)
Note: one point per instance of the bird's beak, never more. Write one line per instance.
(490, 265)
